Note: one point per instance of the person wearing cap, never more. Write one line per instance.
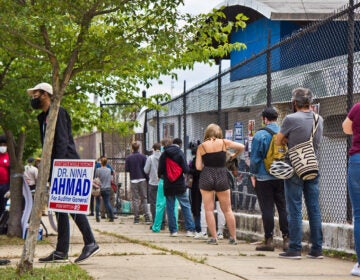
(269, 190)
(295, 129)
(30, 174)
(63, 148)
(4, 173)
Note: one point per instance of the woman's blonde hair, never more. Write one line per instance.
(166, 142)
(213, 131)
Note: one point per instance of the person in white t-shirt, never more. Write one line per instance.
(31, 174)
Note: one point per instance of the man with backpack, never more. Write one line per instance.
(172, 167)
(296, 129)
(269, 190)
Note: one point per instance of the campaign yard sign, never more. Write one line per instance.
(71, 184)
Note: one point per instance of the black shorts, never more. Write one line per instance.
(214, 179)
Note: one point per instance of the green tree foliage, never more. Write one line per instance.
(103, 47)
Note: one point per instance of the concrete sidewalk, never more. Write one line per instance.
(131, 251)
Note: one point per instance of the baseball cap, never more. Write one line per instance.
(42, 86)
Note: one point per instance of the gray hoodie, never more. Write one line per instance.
(151, 168)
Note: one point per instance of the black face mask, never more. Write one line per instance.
(35, 103)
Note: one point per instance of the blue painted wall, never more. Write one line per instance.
(255, 36)
(312, 47)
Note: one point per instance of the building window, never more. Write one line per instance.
(168, 130)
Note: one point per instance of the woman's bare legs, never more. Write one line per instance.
(225, 205)
(208, 199)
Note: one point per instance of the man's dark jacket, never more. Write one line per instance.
(176, 154)
(64, 145)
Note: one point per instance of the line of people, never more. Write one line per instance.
(210, 157)
(213, 179)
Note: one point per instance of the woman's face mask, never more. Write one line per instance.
(3, 149)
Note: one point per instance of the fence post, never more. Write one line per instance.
(350, 90)
(186, 142)
(268, 71)
(102, 132)
(219, 95)
(157, 123)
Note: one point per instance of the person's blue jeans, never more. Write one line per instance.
(354, 193)
(105, 194)
(294, 189)
(185, 208)
(159, 220)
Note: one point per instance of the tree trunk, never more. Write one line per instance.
(27, 258)
(16, 182)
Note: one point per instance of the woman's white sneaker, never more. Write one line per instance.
(201, 236)
(356, 270)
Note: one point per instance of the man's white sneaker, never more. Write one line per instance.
(201, 236)
(220, 236)
(356, 270)
(173, 234)
(190, 233)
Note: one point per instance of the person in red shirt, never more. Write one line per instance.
(4, 180)
(4, 173)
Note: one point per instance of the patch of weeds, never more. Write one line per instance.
(260, 255)
(340, 255)
(5, 240)
(69, 271)
(154, 246)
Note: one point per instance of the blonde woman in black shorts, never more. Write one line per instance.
(211, 159)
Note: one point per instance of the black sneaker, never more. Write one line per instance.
(87, 252)
(291, 255)
(232, 241)
(55, 256)
(315, 255)
(4, 261)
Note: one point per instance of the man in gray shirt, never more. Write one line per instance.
(151, 168)
(296, 128)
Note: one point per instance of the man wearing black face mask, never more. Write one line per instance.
(63, 148)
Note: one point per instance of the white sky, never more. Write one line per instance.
(201, 72)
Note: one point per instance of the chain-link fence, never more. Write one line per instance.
(323, 57)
